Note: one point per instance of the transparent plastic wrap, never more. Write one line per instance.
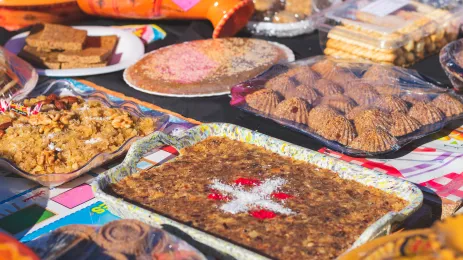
(390, 32)
(286, 18)
(442, 241)
(360, 109)
(17, 77)
(120, 239)
(60, 132)
(451, 59)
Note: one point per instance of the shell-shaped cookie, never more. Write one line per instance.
(448, 104)
(339, 102)
(341, 76)
(387, 90)
(305, 92)
(371, 119)
(426, 113)
(264, 100)
(338, 128)
(380, 73)
(324, 67)
(374, 140)
(319, 115)
(303, 75)
(364, 94)
(412, 98)
(403, 124)
(391, 103)
(327, 87)
(355, 111)
(283, 84)
(293, 109)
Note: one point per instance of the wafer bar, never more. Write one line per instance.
(57, 37)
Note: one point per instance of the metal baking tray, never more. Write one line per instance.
(145, 146)
(67, 88)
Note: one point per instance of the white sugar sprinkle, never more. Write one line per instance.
(92, 141)
(52, 147)
(258, 197)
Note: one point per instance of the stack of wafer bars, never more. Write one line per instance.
(421, 32)
(54, 46)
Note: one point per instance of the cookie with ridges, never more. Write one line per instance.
(389, 103)
(338, 128)
(374, 140)
(293, 109)
(339, 102)
(403, 124)
(364, 94)
(303, 75)
(319, 115)
(305, 92)
(426, 113)
(324, 67)
(327, 87)
(387, 90)
(448, 104)
(372, 118)
(264, 100)
(381, 73)
(282, 84)
(355, 111)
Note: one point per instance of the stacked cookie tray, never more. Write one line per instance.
(390, 32)
(360, 109)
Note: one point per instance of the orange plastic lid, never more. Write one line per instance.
(11, 249)
(33, 2)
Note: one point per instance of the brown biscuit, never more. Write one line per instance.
(75, 65)
(97, 50)
(57, 37)
(41, 59)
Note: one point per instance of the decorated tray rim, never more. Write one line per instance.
(118, 206)
(290, 58)
(96, 95)
(402, 141)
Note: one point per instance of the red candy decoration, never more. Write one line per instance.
(217, 196)
(263, 214)
(281, 196)
(247, 182)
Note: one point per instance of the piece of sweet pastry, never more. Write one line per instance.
(412, 98)
(355, 111)
(303, 75)
(327, 87)
(389, 103)
(426, 113)
(339, 102)
(305, 92)
(337, 128)
(403, 124)
(283, 84)
(319, 115)
(372, 118)
(448, 104)
(374, 140)
(293, 109)
(363, 93)
(264, 100)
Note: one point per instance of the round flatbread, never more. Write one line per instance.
(204, 67)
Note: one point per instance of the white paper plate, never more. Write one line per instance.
(289, 53)
(129, 50)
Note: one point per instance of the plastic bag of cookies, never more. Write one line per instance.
(390, 32)
(286, 18)
(451, 59)
(17, 77)
(361, 109)
(120, 239)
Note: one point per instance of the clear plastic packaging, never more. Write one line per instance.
(65, 88)
(390, 32)
(286, 18)
(120, 239)
(17, 77)
(451, 59)
(360, 109)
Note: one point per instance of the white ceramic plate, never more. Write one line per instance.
(129, 50)
(286, 49)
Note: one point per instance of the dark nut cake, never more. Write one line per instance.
(283, 208)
